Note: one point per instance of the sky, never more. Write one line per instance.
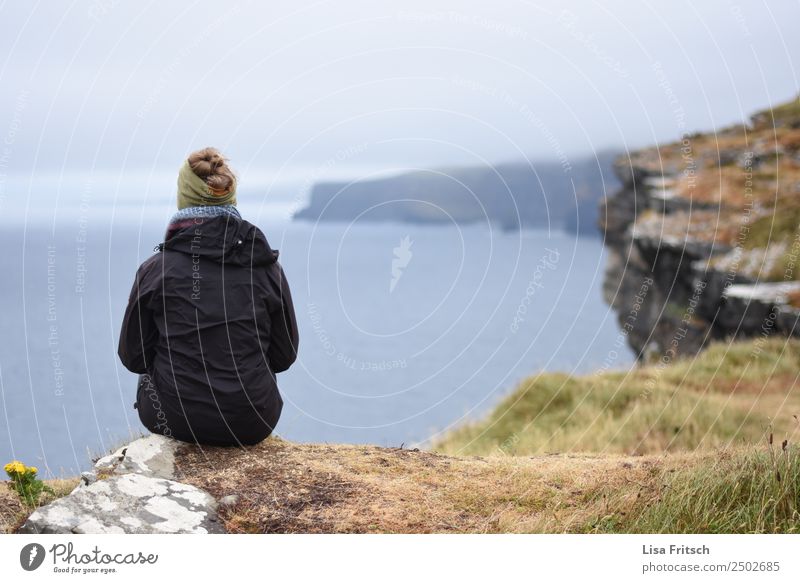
(316, 89)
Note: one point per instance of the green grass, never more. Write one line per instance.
(730, 394)
(755, 490)
(785, 112)
(782, 226)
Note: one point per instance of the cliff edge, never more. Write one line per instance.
(705, 445)
(704, 237)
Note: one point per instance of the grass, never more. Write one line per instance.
(783, 225)
(785, 112)
(753, 491)
(13, 511)
(287, 487)
(307, 488)
(731, 393)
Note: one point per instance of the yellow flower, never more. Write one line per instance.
(14, 467)
(32, 469)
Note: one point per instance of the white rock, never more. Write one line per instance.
(153, 455)
(131, 503)
(772, 292)
(138, 486)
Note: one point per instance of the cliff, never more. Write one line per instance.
(557, 195)
(282, 487)
(704, 237)
(514, 483)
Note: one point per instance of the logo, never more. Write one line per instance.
(31, 556)
(402, 257)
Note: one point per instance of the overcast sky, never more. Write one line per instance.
(318, 87)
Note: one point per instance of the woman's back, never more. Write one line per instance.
(210, 321)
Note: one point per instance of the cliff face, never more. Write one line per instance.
(704, 237)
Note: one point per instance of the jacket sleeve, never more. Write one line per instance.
(284, 338)
(138, 335)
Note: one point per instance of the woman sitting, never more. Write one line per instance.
(210, 319)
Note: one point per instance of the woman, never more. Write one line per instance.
(210, 319)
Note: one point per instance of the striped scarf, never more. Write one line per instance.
(188, 216)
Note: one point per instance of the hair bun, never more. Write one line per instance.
(212, 166)
(214, 162)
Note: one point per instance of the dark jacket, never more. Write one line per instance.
(210, 320)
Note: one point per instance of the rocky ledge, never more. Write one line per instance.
(704, 237)
(132, 490)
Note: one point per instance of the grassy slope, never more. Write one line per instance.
(728, 397)
(731, 393)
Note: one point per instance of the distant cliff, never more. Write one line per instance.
(704, 237)
(558, 195)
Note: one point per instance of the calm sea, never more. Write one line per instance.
(405, 330)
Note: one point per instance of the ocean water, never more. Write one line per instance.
(405, 330)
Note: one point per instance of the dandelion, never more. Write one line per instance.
(25, 482)
(13, 468)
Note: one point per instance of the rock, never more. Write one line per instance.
(768, 292)
(677, 269)
(87, 478)
(153, 455)
(789, 320)
(756, 308)
(139, 496)
(130, 503)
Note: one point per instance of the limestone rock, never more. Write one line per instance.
(129, 503)
(153, 455)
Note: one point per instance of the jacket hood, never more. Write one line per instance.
(224, 239)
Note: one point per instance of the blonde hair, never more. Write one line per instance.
(210, 165)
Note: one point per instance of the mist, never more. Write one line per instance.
(292, 90)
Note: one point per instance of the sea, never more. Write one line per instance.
(406, 331)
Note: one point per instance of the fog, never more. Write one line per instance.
(324, 88)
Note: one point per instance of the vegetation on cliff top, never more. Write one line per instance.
(743, 185)
(731, 393)
(278, 486)
(284, 487)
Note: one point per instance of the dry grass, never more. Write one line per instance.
(13, 511)
(294, 488)
(288, 487)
